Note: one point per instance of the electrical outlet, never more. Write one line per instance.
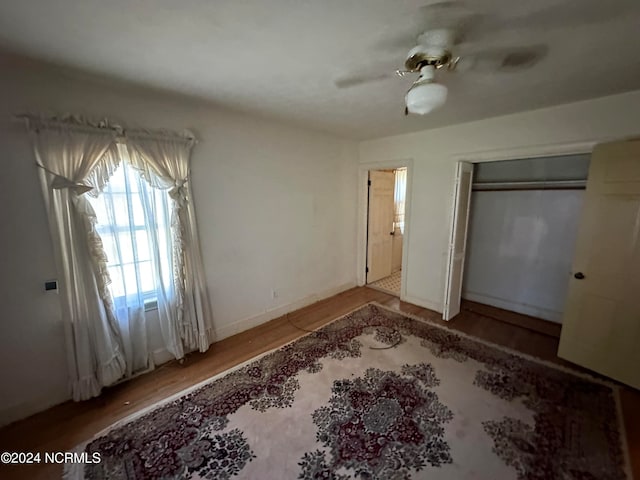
(274, 293)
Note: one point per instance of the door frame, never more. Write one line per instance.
(363, 213)
(538, 151)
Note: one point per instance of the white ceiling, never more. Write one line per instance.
(280, 58)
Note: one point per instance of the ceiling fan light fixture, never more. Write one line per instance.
(423, 98)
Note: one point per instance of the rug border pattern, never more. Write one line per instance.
(75, 471)
(587, 376)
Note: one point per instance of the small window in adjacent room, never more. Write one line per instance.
(133, 221)
(399, 194)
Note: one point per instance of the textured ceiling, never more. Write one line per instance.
(280, 58)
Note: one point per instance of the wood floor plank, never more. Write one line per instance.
(62, 427)
(518, 319)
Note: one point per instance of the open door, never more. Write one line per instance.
(380, 226)
(458, 240)
(601, 324)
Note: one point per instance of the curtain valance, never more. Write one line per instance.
(79, 123)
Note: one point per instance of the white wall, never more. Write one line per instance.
(435, 152)
(276, 207)
(520, 247)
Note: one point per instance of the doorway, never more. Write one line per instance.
(386, 229)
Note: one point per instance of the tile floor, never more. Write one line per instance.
(390, 284)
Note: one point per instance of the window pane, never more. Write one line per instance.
(147, 283)
(120, 209)
(136, 208)
(117, 182)
(132, 179)
(117, 285)
(126, 247)
(126, 233)
(130, 279)
(142, 246)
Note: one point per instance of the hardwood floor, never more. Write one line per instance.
(530, 323)
(62, 427)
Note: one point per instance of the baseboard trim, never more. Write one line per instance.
(248, 323)
(23, 410)
(161, 355)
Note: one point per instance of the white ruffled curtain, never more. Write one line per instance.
(73, 162)
(106, 339)
(183, 304)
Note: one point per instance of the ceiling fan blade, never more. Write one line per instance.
(502, 60)
(397, 44)
(444, 14)
(472, 25)
(362, 79)
(572, 13)
(451, 15)
(565, 15)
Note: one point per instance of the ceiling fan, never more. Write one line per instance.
(447, 45)
(435, 52)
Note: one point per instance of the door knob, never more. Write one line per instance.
(579, 275)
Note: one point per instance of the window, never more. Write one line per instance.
(399, 194)
(134, 224)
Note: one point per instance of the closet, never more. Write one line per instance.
(522, 231)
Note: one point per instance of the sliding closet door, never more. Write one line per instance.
(458, 239)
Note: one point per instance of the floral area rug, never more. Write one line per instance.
(375, 395)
